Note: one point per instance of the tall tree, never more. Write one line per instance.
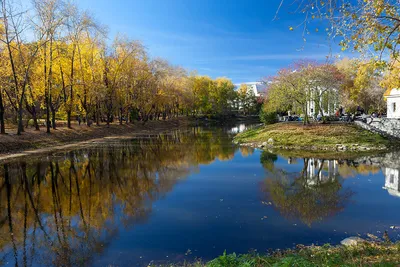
(20, 56)
(291, 89)
(80, 27)
(361, 85)
(49, 19)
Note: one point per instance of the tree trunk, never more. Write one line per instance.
(71, 92)
(127, 116)
(2, 125)
(53, 118)
(305, 115)
(97, 115)
(87, 118)
(47, 113)
(35, 121)
(69, 119)
(46, 91)
(20, 124)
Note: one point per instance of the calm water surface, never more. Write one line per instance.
(187, 194)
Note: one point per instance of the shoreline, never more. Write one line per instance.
(33, 142)
(39, 142)
(352, 251)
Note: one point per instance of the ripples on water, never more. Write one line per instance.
(187, 194)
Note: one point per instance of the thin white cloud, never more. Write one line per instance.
(286, 56)
(279, 57)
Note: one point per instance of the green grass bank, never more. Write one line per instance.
(323, 137)
(365, 254)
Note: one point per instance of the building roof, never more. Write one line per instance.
(261, 88)
(395, 92)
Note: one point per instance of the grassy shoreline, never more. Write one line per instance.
(314, 137)
(368, 253)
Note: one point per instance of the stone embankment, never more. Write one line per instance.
(386, 127)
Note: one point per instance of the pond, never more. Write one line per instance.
(184, 195)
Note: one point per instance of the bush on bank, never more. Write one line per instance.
(268, 117)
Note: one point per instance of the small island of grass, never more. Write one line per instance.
(330, 137)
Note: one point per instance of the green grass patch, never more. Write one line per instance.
(314, 135)
(368, 254)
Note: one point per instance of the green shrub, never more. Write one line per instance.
(268, 117)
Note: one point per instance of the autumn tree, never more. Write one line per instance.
(4, 82)
(390, 78)
(290, 89)
(247, 99)
(20, 56)
(362, 85)
(49, 19)
(222, 96)
(326, 82)
(296, 87)
(200, 87)
(83, 37)
(369, 27)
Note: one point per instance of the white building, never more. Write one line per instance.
(393, 104)
(392, 184)
(258, 88)
(329, 108)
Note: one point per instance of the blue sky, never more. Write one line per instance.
(237, 39)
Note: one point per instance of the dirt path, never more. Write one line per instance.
(34, 142)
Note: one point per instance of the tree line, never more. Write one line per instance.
(57, 63)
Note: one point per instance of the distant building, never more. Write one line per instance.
(393, 103)
(258, 88)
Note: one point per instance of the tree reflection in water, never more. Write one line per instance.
(65, 209)
(314, 193)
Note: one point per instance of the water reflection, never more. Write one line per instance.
(242, 127)
(238, 129)
(310, 195)
(64, 210)
(68, 209)
(392, 181)
(316, 192)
